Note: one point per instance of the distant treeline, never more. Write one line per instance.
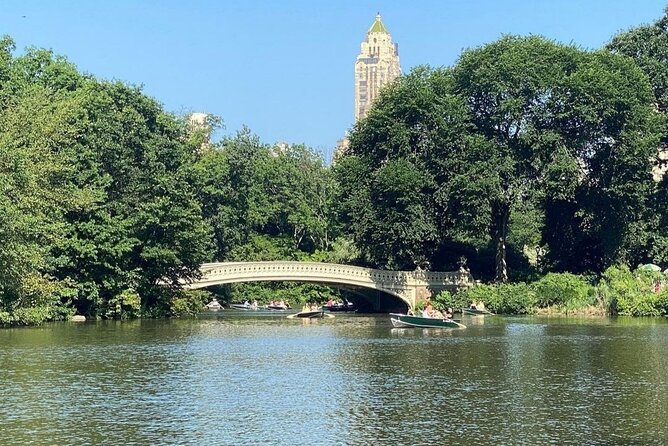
(524, 158)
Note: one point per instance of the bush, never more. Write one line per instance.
(33, 315)
(446, 299)
(631, 293)
(189, 302)
(503, 298)
(419, 306)
(516, 298)
(661, 301)
(125, 305)
(563, 289)
(5, 318)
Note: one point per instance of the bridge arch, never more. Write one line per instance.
(408, 286)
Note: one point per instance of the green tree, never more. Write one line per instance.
(647, 45)
(396, 181)
(34, 122)
(98, 187)
(574, 125)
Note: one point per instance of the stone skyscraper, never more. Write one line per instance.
(376, 65)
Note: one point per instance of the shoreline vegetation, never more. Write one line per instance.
(536, 165)
(619, 291)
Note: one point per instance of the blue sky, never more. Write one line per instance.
(284, 68)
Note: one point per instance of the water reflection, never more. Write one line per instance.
(354, 380)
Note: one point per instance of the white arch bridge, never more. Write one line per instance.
(408, 286)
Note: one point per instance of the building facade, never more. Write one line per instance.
(376, 65)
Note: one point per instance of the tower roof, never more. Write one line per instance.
(378, 26)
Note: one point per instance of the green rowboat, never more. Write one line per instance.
(407, 321)
(476, 312)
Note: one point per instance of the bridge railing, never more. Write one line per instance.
(311, 269)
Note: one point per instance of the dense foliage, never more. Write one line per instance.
(563, 137)
(647, 45)
(619, 291)
(99, 213)
(527, 160)
(109, 202)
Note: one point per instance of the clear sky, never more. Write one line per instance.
(284, 68)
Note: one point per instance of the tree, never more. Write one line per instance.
(252, 193)
(35, 193)
(574, 124)
(647, 45)
(396, 180)
(98, 189)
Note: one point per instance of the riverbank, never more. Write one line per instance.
(619, 291)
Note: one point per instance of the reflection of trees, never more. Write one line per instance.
(68, 375)
(507, 381)
(354, 379)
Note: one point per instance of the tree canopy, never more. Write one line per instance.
(449, 153)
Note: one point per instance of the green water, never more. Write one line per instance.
(239, 379)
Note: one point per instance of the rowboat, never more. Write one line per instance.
(244, 306)
(214, 305)
(408, 321)
(341, 307)
(310, 314)
(476, 311)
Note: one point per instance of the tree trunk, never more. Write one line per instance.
(501, 217)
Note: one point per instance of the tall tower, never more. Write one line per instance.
(376, 65)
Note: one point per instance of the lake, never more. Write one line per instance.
(234, 378)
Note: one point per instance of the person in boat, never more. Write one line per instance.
(246, 303)
(254, 305)
(428, 310)
(473, 306)
(330, 303)
(448, 313)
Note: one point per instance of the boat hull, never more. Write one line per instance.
(407, 321)
(341, 308)
(308, 314)
(242, 307)
(476, 312)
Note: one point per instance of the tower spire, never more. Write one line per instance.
(378, 26)
(376, 65)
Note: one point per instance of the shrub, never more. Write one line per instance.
(125, 305)
(661, 301)
(33, 315)
(563, 289)
(503, 298)
(5, 318)
(479, 293)
(446, 299)
(419, 306)
(516, 298)
(630, 293)
(189, 302)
